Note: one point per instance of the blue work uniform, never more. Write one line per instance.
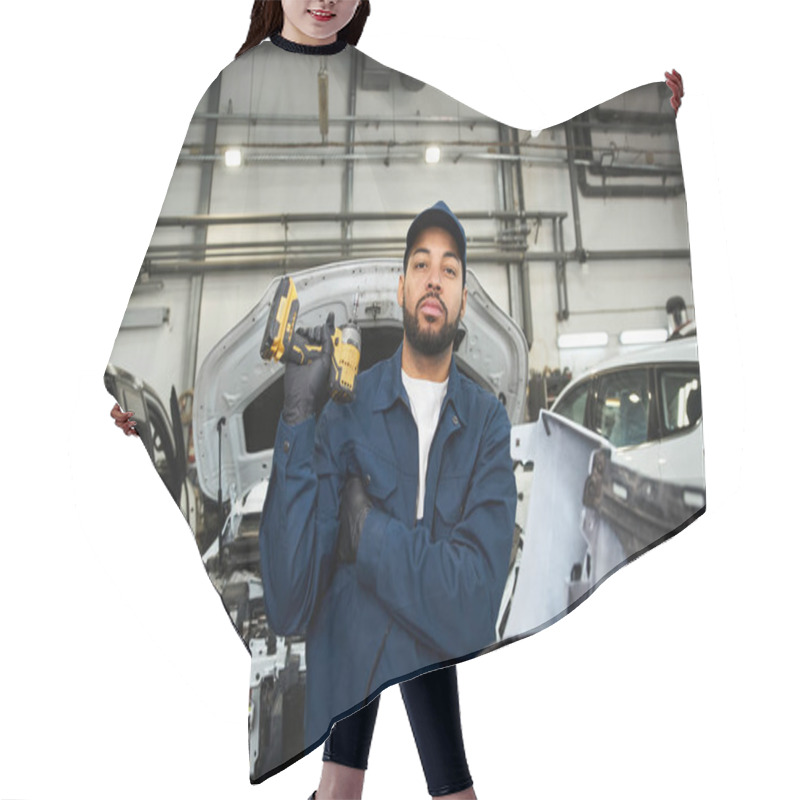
(419, 592)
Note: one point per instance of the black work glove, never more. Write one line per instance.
(305, 387)
(353, 511)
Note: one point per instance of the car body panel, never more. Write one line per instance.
(560, 452)
(586, 515)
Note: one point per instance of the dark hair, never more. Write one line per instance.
(266, 19)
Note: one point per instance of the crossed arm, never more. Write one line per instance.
(445, 592)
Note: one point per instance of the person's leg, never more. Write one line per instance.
(344, 759)
(433, 711)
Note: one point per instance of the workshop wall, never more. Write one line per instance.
(607, 295)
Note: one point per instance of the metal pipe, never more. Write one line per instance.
(347, 182)
(640, 190)
(490, 144)
(648, 170)
(201, 239)
(291, 261)
(600, 118)
(587, 190)
(332, 253)
(397, 242)
(357, 216)
(301, 158)
(620, 119)
(561, 272)
(193, 152)
(622, 171)
(306, 119)
(606, 119)
(573, 190)
(608, 255)
(514, 289)
(283, 262)
(524, 268)
(635, 255)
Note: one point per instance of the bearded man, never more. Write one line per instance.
(388, 523)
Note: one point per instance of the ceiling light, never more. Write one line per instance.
(233, 157)
(648, 336)
(432, 154)
(568, 341)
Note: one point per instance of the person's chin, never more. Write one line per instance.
(433, 324)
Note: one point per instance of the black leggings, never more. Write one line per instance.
(432, 707)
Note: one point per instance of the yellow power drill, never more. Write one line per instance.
(280, 343)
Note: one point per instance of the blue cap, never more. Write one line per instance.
(438, 216)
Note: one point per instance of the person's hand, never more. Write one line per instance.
(353, 510)
(675, 84)
(305, 387)
(124, 421)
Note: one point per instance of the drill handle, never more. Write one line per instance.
(301, 350)
(310, 343)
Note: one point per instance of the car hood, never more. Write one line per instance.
(238, 397)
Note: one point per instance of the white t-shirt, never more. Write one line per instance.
(425, 398)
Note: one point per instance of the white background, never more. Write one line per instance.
(120, 675)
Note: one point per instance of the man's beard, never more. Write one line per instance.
(429, 343)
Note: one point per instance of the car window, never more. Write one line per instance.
(573, 404)
(622, 407)
(679, 393)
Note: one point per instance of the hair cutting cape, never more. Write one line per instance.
(570, 439)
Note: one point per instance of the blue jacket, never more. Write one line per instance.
(418, 593)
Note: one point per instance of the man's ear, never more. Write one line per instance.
(400, 292)
(463, 303)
